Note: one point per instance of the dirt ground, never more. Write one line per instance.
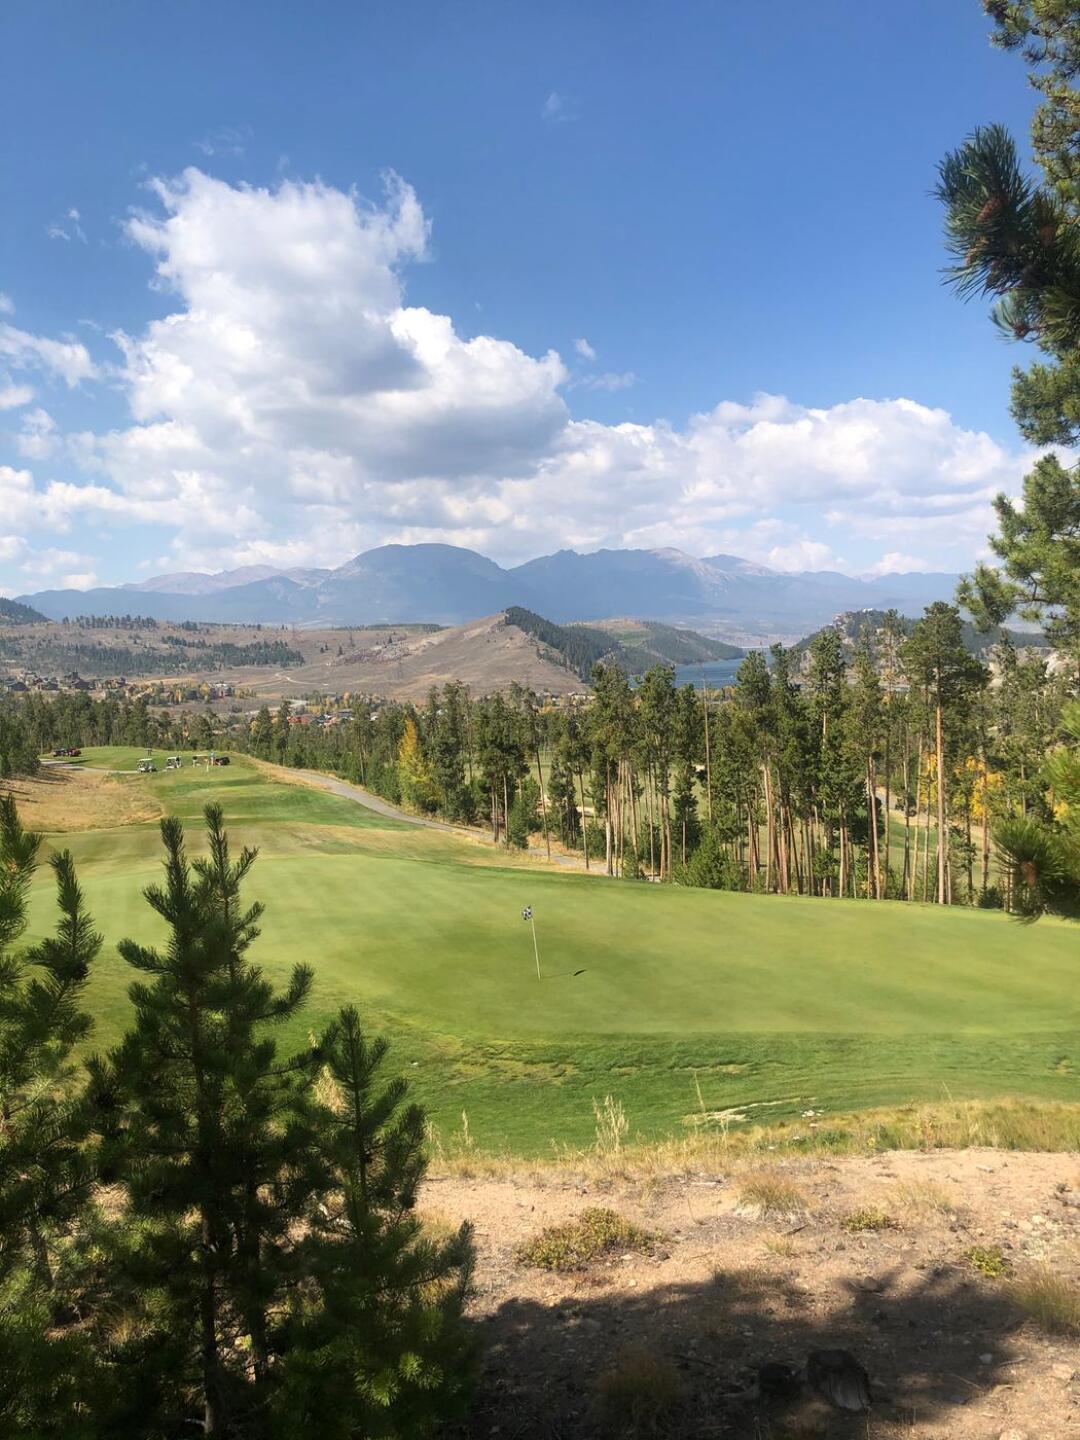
(668, 1343)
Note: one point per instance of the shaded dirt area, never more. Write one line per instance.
(668, 1342)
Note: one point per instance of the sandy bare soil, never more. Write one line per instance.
(949, 1352)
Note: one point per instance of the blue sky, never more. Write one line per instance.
(286, 282)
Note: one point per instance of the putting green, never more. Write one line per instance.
(648, 992)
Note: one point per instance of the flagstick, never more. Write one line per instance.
(536, 947)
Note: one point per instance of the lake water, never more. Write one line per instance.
(713, 673)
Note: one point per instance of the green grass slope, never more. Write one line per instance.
(769, 1005)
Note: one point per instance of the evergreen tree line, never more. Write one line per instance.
(818, 778)
(814, 774)
(209, 1227)
(54, 654)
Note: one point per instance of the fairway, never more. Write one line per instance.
(649, 993)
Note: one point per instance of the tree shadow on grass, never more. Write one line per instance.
(546, 1370)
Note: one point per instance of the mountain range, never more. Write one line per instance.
(722, 594)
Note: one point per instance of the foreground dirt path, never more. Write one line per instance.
(949, 1351)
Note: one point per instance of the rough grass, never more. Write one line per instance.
(770, 1196)
(705, 1016)
(1049, 1298)
(596, 1234)
(922, 1200)
(61, 803)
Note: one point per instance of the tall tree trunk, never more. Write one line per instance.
(208, 1336)
(584, 820)
(543, 802)
(708, 754)
(907, 889)
(607, 818)
(635, 828)
(842, 886)
(986, 829)
(873, 857)
(770, 838)
(888, 802)
(665, 800)
(939, 741)
(650, 789)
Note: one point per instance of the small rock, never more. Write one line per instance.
(1070, 1197)
(870, 1283)
(1013, 1435)
(1062, 1372)
(985, 1359)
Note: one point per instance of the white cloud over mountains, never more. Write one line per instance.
(292, 407)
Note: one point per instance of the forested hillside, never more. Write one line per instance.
(855, 774)
(649, 642)
(884, 629)
(580, 647)
(14, 613)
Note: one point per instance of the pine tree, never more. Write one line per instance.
(262, 734)
(935, 658)
(380, 1352)
(1044, 855)
(204, 1127)
(46, 1182)
(1017, 241)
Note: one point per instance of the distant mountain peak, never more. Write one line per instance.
(730, 597)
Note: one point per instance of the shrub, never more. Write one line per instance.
(868, 1218)
(596, 1232)
(988, 1260)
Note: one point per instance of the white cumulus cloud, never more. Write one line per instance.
(292, 407)
(68, 360)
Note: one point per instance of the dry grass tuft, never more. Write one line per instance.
(768, 1195)
(922, 1200)
(595, 1234)
(1050, 1299)
(637, 1395)
(868, 1218)
(780, 1245)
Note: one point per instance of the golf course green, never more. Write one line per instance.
(679, 1003)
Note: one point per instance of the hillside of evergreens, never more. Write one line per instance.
(580, 647)
(880, 627)
(15, 613)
